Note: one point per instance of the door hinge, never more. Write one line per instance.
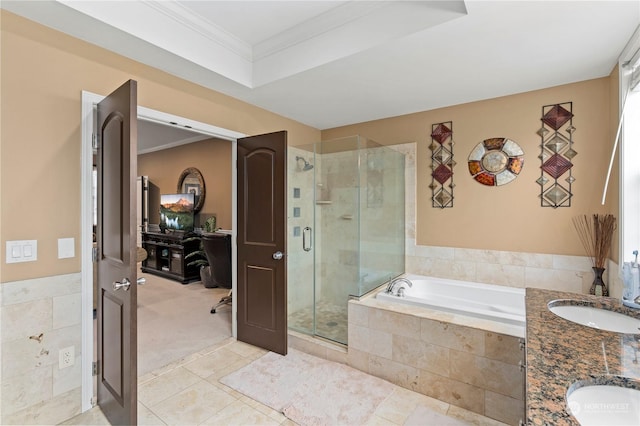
(94, 254)
(94, 141)
(94, 368)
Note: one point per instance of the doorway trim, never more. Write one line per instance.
(88, 123)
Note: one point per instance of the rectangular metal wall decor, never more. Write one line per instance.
(556, 155)
(442, 165)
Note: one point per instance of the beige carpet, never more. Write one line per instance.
(174, 321)
(310, 390)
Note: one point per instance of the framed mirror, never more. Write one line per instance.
(191, 181)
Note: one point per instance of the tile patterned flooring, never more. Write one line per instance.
(331, 320)
(188, 392)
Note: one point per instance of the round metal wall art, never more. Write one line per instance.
(496, 161)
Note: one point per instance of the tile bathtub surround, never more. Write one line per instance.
(560, 352)
(512, 269)
(424, 351)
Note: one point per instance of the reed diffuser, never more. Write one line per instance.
(595, 232)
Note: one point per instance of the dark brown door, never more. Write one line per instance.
(116, 233)
(262, 262)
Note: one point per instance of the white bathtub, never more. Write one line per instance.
(492, 302)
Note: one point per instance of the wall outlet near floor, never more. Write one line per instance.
(66, 357)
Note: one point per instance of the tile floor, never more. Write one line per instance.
(331, 321)
(188, 392)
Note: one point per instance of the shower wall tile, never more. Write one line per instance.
(410, 248)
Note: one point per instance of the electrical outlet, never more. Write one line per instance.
(66, 357)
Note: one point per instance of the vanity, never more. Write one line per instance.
(563, 356)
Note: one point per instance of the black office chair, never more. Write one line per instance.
(217, 247)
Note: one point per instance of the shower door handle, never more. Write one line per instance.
(306, 231)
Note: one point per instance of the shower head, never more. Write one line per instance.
(306, 166)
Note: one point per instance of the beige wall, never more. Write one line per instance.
(212, 157)
(43, 73)
(508, 217)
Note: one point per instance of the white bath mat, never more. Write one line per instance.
(309, 390)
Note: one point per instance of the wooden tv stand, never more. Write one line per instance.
(166, 256)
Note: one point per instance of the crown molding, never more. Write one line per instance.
(184, 16)
(323, 23)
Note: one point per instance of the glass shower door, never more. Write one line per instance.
(300, 260)
(337, 235)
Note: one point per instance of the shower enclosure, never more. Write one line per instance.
(345, 229)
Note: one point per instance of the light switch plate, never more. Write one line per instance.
(21, 251)
(66, 248)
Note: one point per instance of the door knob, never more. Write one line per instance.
(125, 284)
(277, 255)
(141, 280)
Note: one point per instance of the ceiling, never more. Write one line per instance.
(333, 63)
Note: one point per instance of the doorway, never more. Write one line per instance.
(89, 101)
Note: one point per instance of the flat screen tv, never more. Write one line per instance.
(176, 211)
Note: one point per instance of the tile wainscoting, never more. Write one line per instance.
(38, 318)
(512, 269)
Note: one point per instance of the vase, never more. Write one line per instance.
(598, 287)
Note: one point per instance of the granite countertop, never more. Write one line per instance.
(560, 353)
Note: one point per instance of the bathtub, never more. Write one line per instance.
(491, 302)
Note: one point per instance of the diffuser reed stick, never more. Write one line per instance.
(596, 232)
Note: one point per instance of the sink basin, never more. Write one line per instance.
(602, 319)
(605, 405)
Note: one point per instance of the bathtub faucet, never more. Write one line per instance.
(395, 281)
